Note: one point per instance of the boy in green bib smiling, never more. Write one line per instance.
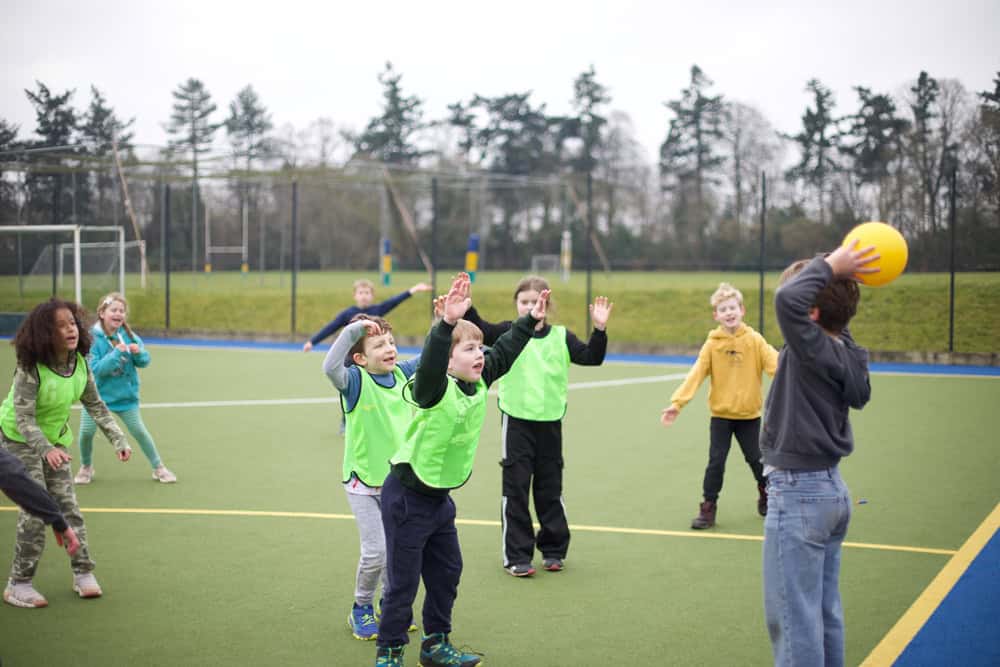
(418, 514)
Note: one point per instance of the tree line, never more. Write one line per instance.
(519, 175)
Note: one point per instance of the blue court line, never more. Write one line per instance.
(963, 629)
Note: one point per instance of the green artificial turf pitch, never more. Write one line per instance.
(269, 579)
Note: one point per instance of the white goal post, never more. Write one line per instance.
(76, 231)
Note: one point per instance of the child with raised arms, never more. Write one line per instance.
(51, 374)
(533, 402)
(418, 513)
(734, 357)
(822, 374)
(371, 394)
(116, 353)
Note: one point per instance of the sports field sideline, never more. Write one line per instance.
(249, 559)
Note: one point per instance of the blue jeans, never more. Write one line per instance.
(807, 517)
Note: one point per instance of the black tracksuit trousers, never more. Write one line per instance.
(532, 462)
(747, 432)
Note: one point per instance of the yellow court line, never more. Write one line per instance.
(901, 634)
(493, 523)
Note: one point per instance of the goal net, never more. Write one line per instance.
(53, 258)
(545, 264)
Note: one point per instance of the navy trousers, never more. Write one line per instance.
(421, 541)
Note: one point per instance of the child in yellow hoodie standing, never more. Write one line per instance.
(734, 355)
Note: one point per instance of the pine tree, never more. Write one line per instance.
(688, 157)
(98, 131)
(388, 138)
(56, 125)
(588, 97)
(190, 123)
(873, 141)
(817, 143)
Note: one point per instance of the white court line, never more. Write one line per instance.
(335, 399)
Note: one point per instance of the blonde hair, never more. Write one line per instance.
(464, 330)
(364, 282)
(106, 302)
(725, 291)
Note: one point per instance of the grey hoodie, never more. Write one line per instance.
(819, 377)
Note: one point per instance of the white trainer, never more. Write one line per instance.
(23, 595)
(161, 474)
(85, 475)
(86, 585)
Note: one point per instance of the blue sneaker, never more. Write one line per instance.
(389, 656)
(437, 651)
(362, 622)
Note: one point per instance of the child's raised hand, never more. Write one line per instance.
(457, 300)
(121, 347)
(307, 346)
(439, 306)
(372, 328)
(133, 348)
(600, 311)
(541, 306)
(846, 261)
(669, 415)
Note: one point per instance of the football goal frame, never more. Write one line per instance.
(76, 231)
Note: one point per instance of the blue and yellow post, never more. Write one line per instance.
(472, 257)
(385, 261)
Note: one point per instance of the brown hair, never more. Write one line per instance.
(359, 346)
(536, 283)
(464, 330)
(105, 302)
(34, 341)
(837, 303)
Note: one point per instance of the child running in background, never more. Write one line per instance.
(116, 353)
(822, 373)
(51, 375)
(734, 356)
(418, 513)
(371, 393)
(532, 403)
(364, 294)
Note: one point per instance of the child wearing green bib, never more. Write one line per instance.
(532, 405)
(371, 394)
(418, 514)
(51, 375)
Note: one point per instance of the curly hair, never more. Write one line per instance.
(724, 292)
(34, 341)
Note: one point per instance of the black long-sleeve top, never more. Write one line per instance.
(590, 353)
(27, 493)
(430, 382)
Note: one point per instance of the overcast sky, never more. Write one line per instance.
(312, 59)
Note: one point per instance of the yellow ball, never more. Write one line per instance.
(889, 243)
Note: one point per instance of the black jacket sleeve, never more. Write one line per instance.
(503, 354)
(27, 493)
(590, 353)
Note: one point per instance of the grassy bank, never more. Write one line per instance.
(653, 311)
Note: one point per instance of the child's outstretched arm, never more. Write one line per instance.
(333, 364)
(593, 351)
(99, 412)
(431, 377)
(504, 352)
(342, 318)
(701, 369)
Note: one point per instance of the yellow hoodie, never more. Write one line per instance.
(735, 362)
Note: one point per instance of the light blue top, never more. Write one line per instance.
(114, 371)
